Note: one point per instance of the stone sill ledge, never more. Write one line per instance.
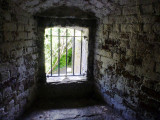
(68, 80)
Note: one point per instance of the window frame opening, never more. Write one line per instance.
(69, 77)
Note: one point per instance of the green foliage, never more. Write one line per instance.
(47, 46)
(69, 57)
(63, 60)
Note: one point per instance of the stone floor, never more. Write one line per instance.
(82, 109)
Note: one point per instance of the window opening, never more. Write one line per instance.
(66, 51)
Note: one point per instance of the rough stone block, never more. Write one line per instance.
(158, 58)
(102, 70)
(130, 68)
(1, 98)
(129, 114)
(29, 43)
(8, 36)
(21, 68)
(21, 28)
(21, 88)
(152, 93)
(130, 28)
(118, 98)
(7, 92)
(5, 76)
(10, 105)
(114, 35)
(11, 113)
(22, 20)
(29, 50)
(130, 10)
(124, 44)
(3, 67)
(2, 111)
(17, 108)
(116, 56)
(158, 67)
(22, 95)
(131, 19)
(124, 36)
(147, 9)
(27, 28)
(148, 19)
(120, 86)
(23, 103)
(97, 57)
(104, 53)
(157, 9)
(116, 27)
(156, 28)
(34, 56)
(105, 20)
(1, 37)
(13, 72)
(118, 11)
(31, 35)
(127, 2)
(35, 49)
(146, 2)
(157, 87)
(116, 19)
(12, 54)
(98, 4)
(107, 61)
(32, 22)
(10, 27)
(19, 53)
(21, 36)
(147, 28)
(7, 16)
(107, 27)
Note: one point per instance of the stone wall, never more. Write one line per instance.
(127, 53)
(18, 54)
(127, 59)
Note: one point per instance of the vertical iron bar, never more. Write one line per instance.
(51, 48)
(73, 50)
(66, 49)
(58, 52)
(81, 56)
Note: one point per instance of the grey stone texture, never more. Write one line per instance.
(126, 55)
(17, 54)
(100, 8)
(127, 63)
(97, 112)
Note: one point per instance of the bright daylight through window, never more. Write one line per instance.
(66, 52)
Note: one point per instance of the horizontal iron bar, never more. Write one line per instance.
(64, 36)
(65, 76)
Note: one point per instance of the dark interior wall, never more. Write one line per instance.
(18, 60)
(127, 59)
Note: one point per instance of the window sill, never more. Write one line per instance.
(70, 79)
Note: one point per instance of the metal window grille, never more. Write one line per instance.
(73, 55)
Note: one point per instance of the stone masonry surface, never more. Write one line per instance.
(18, 54)
(127, 58)
(126, 55)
